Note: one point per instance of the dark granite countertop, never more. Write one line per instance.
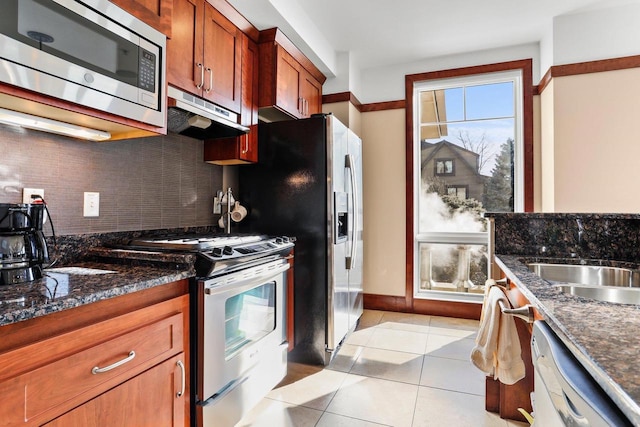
(83, 283)
(603, 336)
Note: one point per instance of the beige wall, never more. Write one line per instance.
(383, 141)
(347, 113)
(590, 147)
(537, 163)
(383, 156)
(547, 149)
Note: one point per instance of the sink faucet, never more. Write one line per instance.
(580, 230)
(577, 249)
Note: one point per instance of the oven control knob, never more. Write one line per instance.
(285, 239)
(228, 250)
(217, 252)
(279, 240)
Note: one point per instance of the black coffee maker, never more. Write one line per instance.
(23, 249)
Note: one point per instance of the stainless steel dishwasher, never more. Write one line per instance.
(565, 393)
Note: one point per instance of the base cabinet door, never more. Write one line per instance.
(154, 398)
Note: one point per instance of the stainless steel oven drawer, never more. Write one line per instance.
(228, 407)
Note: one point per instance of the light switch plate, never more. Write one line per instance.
(91, 204)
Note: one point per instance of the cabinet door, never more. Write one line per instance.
(287, 83)
(241, 149)
(185, 69)
(153, 398)
(222, 60)
(310, 93)
(156, 13)
(250, 65)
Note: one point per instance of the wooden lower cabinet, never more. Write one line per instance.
(149, 399)
(129, 369)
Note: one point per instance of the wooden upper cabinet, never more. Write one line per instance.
(156, 13)
(242, 149)
(310, 94)
(288, 77)
(204, 54)
(290, 85)
(222, 60)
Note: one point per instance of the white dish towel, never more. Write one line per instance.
(497, 350)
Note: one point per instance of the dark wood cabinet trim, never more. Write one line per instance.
(382, 106)
(588, 67)
(423, 306)
(342, 97)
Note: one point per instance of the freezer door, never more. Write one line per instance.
(338, 291)
(354, 241)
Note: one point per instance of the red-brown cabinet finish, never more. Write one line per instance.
(156, 13)
(290, 85)
(204, 54)
(242, 149)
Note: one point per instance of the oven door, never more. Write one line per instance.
(243, 330)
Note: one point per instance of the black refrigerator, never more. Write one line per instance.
(307, 184)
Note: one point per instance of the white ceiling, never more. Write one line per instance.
(383, 32)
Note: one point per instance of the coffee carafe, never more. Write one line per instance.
(23, 249)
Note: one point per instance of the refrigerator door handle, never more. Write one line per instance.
(350, 163)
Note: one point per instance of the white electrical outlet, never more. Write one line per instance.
(91, 204)
(27, 192)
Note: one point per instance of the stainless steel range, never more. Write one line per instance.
(238, 323)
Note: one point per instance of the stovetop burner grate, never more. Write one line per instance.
(195, 242)
(219, 254)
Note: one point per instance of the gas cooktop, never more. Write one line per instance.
(195, 242)
(219, 253)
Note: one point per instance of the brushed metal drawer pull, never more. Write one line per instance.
(181, 365)
(97, 370)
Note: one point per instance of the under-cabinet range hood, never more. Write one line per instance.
(192, 116)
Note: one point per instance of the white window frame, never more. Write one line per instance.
(479, 238)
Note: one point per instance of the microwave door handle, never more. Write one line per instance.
(350, 163)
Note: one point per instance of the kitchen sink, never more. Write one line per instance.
(612, 284)
(587, 274)
(614, 294)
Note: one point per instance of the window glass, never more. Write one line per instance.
(489, 101)
(469, 141)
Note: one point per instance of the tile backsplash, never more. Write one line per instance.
(144, 184)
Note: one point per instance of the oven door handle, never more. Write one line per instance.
(215, 288)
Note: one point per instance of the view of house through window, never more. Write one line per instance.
(468, 146)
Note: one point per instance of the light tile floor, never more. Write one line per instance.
(396, 369)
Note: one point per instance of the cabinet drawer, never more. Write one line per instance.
(57, 386)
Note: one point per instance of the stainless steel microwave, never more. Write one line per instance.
(88, 52)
